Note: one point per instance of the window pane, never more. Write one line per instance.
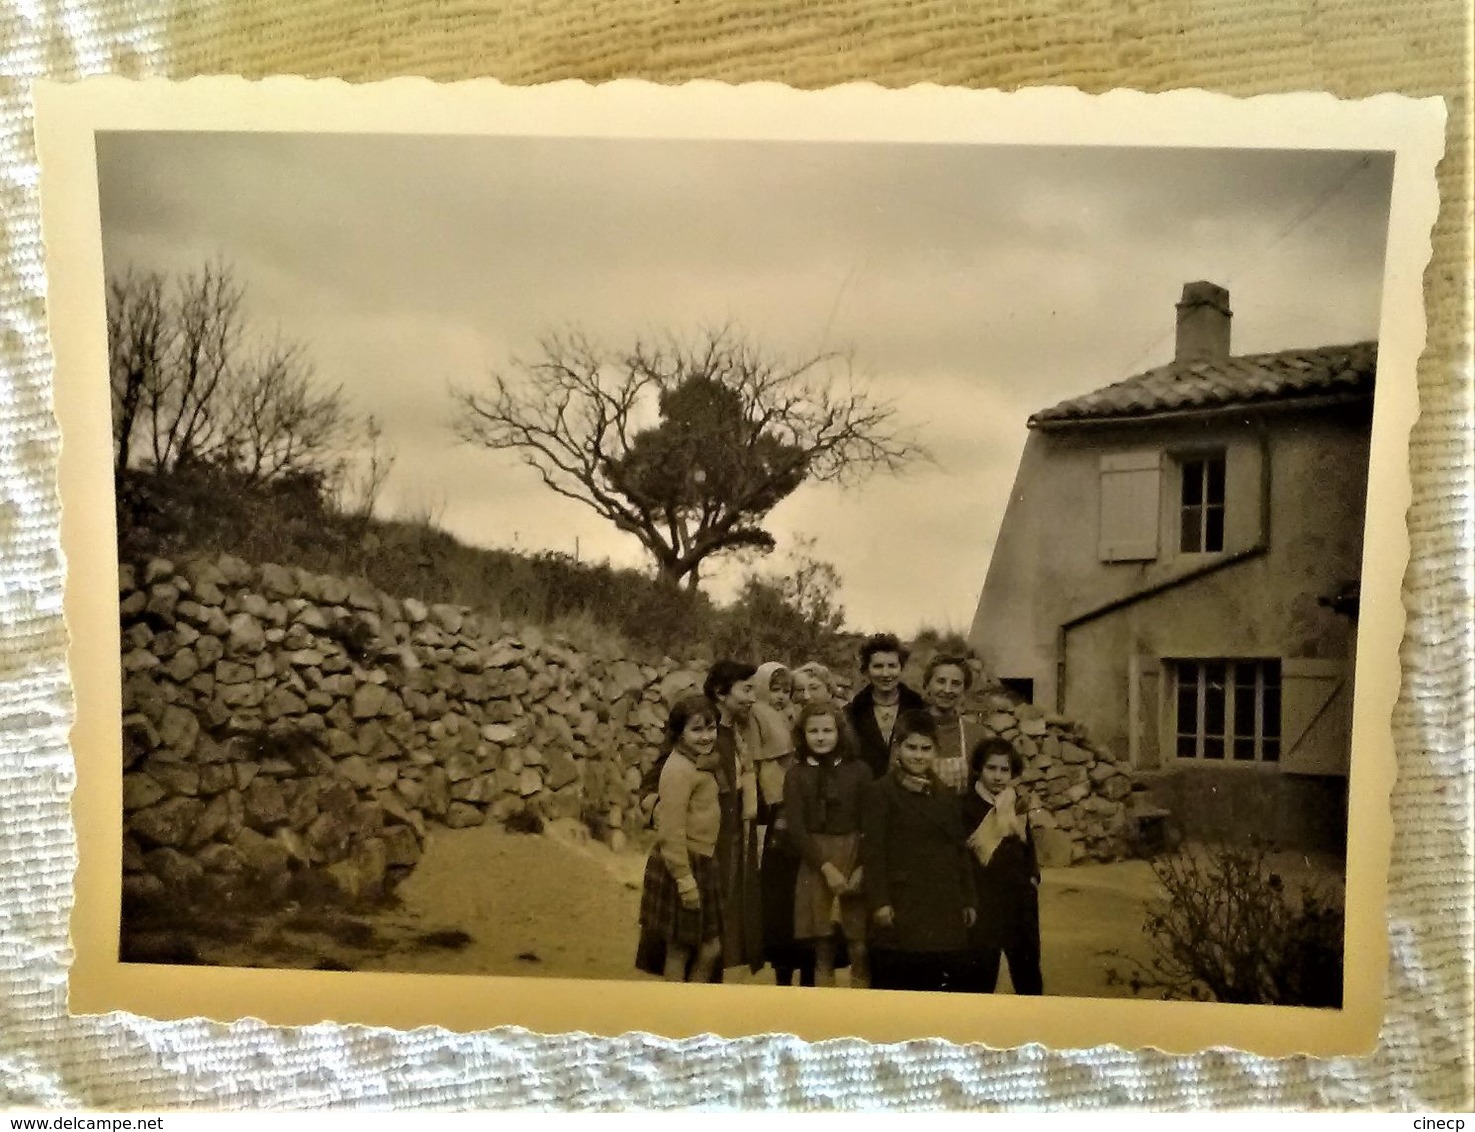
(1213, 747)
(1270, 723)
(1214, 698)
(1215, 477)
(1186, 678)
(1193, 483)
(1214, 529)
(1214, 711)
(1270, 750)
(1244, 749)
(1244, 700)
(1192, 537)
(1188, 708)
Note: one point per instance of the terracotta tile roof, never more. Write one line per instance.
(1224, 382)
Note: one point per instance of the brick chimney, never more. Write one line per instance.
(1203, 323)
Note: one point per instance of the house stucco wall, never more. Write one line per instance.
(1047, 569)
(1295, 499)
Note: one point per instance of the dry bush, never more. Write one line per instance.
(1227, 929)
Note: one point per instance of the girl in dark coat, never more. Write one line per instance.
(1006, 874)
(917, 879)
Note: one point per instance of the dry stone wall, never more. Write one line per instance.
(282, 728)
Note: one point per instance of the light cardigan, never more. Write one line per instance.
(688, 815)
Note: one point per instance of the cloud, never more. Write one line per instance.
(971, 286)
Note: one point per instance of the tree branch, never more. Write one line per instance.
(737, 433)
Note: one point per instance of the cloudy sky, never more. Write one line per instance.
(972, 285)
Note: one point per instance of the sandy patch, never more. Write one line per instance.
(533, 904)
(483, 901)
(544, 905)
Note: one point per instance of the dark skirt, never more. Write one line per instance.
(737, 864)
(663, 919)
(776, 877)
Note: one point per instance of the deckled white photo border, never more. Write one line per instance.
(68, 116)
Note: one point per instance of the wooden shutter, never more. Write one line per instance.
(1246, 471)
(1144, 703)
(1130, 482)
(1315, 723)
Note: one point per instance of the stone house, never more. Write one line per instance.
(1178, 569)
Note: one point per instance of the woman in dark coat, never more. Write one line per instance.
(873, 713)
(729, 686)
(778, 869)
(917, 878)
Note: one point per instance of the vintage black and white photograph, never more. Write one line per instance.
(845, 566)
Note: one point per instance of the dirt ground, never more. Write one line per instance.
(483, 901)
(552, 904)
(583, 923)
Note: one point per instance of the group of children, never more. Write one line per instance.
(917, 879)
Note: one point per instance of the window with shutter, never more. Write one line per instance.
(1130, 482)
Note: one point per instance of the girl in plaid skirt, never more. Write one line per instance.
(681, 905)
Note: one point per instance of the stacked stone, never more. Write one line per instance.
(282, 726)
(1080, 788)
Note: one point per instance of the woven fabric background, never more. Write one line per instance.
(1351, 47)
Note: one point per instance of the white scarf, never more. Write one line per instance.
(999, 823)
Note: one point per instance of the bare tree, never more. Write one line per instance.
(191, 385)
(184, 406)
(280, 423)
(138, 340)
(688, 448)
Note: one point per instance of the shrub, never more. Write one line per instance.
(933, 640)
(790, 613)
(1227, 929)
